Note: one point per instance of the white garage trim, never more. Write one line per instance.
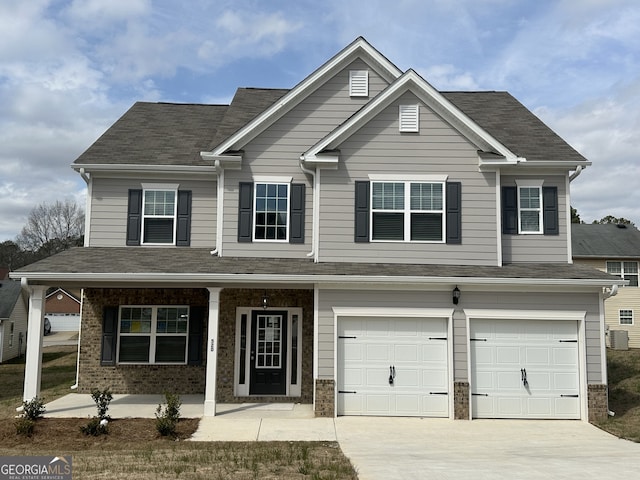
(524, 315)
(381, 312)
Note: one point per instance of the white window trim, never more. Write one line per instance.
(622, 273)
(406, 211)
(530, 183)
(153, 334)
(160, 187)
(620, 317)
(12, 327)
(271, 181)
(409, 118)
(291, 390)
(357, 90)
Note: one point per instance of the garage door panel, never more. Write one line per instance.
(416, 348)
(544, 353)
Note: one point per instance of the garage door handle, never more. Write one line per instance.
(438, 393)
(347, 391)
(523, 374)
(569, 396)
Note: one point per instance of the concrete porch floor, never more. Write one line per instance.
(233, 422)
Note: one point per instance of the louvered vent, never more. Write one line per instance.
(359, 83)
(409, 115)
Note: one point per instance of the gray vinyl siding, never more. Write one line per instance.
(379, 148)
(19, 316)
(539, 248)
(489, 299)
(108, 223)
(277, 150)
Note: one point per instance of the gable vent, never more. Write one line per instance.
(409, 115)
(359, 83)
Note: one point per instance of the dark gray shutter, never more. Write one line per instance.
(454, 212)
(183, 231)
(362, 211)
(550, 210)
(134, 217)
(296, 232)
(196, 329)
(509, 210)
(109, 336)
(245, 212)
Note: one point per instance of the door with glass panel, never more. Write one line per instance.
(268, 358)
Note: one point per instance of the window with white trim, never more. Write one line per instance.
(409, 118)
(625, 270)
(12, 327)
(271, 212)
(407, 211)
(159, 208)
(626, 317)
(153, 334)
(530, 209)
(358, 83)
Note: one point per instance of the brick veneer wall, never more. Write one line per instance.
(140, 379)
(461, 401)
(597, 402)
(230, 299)
(325, 398)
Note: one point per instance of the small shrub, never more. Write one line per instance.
(33, 409)
(24, 426)
(167, 419)
(102, 399)
(95, 427)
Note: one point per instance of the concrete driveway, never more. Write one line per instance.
(407, 448)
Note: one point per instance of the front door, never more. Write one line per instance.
(268, 358)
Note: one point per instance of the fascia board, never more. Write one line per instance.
(554, 163)
(411, 81)
(179, 278)
(128, 168)
(302, 90)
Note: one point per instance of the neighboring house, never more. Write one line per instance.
(614, 249)
(4, 273)
(13, 320)
(362, 242)
(62, 308)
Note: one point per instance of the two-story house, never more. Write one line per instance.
(614, 249)
(361, 242)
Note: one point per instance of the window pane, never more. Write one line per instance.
(388, 226)
(171, 349)
(530, 197)
(134, 349)
(158, 230)
(426, 196)
(614, 267)
(159, 202)
(633, 280)
(626, 317)
(426, 227)
(530, 221)
(630, 267)
(388, 196)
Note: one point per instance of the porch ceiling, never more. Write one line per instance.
(96, 266)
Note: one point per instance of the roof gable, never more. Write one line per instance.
(414, 83)
(359, 48)
(605, 241)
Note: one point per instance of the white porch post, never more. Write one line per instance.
(35, 333)
(212, 353)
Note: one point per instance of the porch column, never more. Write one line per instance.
(212, 353)
(35, 334)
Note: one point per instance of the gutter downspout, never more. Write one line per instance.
(219, 209)
(575, 174)
(87, 209)
(608, 294)
(315, 210)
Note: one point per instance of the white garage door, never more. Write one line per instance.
(393, 367)
(524, 369)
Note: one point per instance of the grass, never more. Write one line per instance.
(134, 449)
(624, 394)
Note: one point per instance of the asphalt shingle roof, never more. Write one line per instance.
(605, 241)
(9, 294)
(129, 260)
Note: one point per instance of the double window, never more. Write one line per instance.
(159, 214)
(153, 334)
(407, 211)
(625, 270)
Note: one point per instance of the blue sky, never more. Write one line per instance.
(70, 68)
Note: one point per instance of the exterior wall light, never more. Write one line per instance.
(265, 300)
(456, 295)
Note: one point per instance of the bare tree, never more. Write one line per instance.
(51, 228)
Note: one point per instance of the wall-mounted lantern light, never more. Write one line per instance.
(456, 295)
(265, 300)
